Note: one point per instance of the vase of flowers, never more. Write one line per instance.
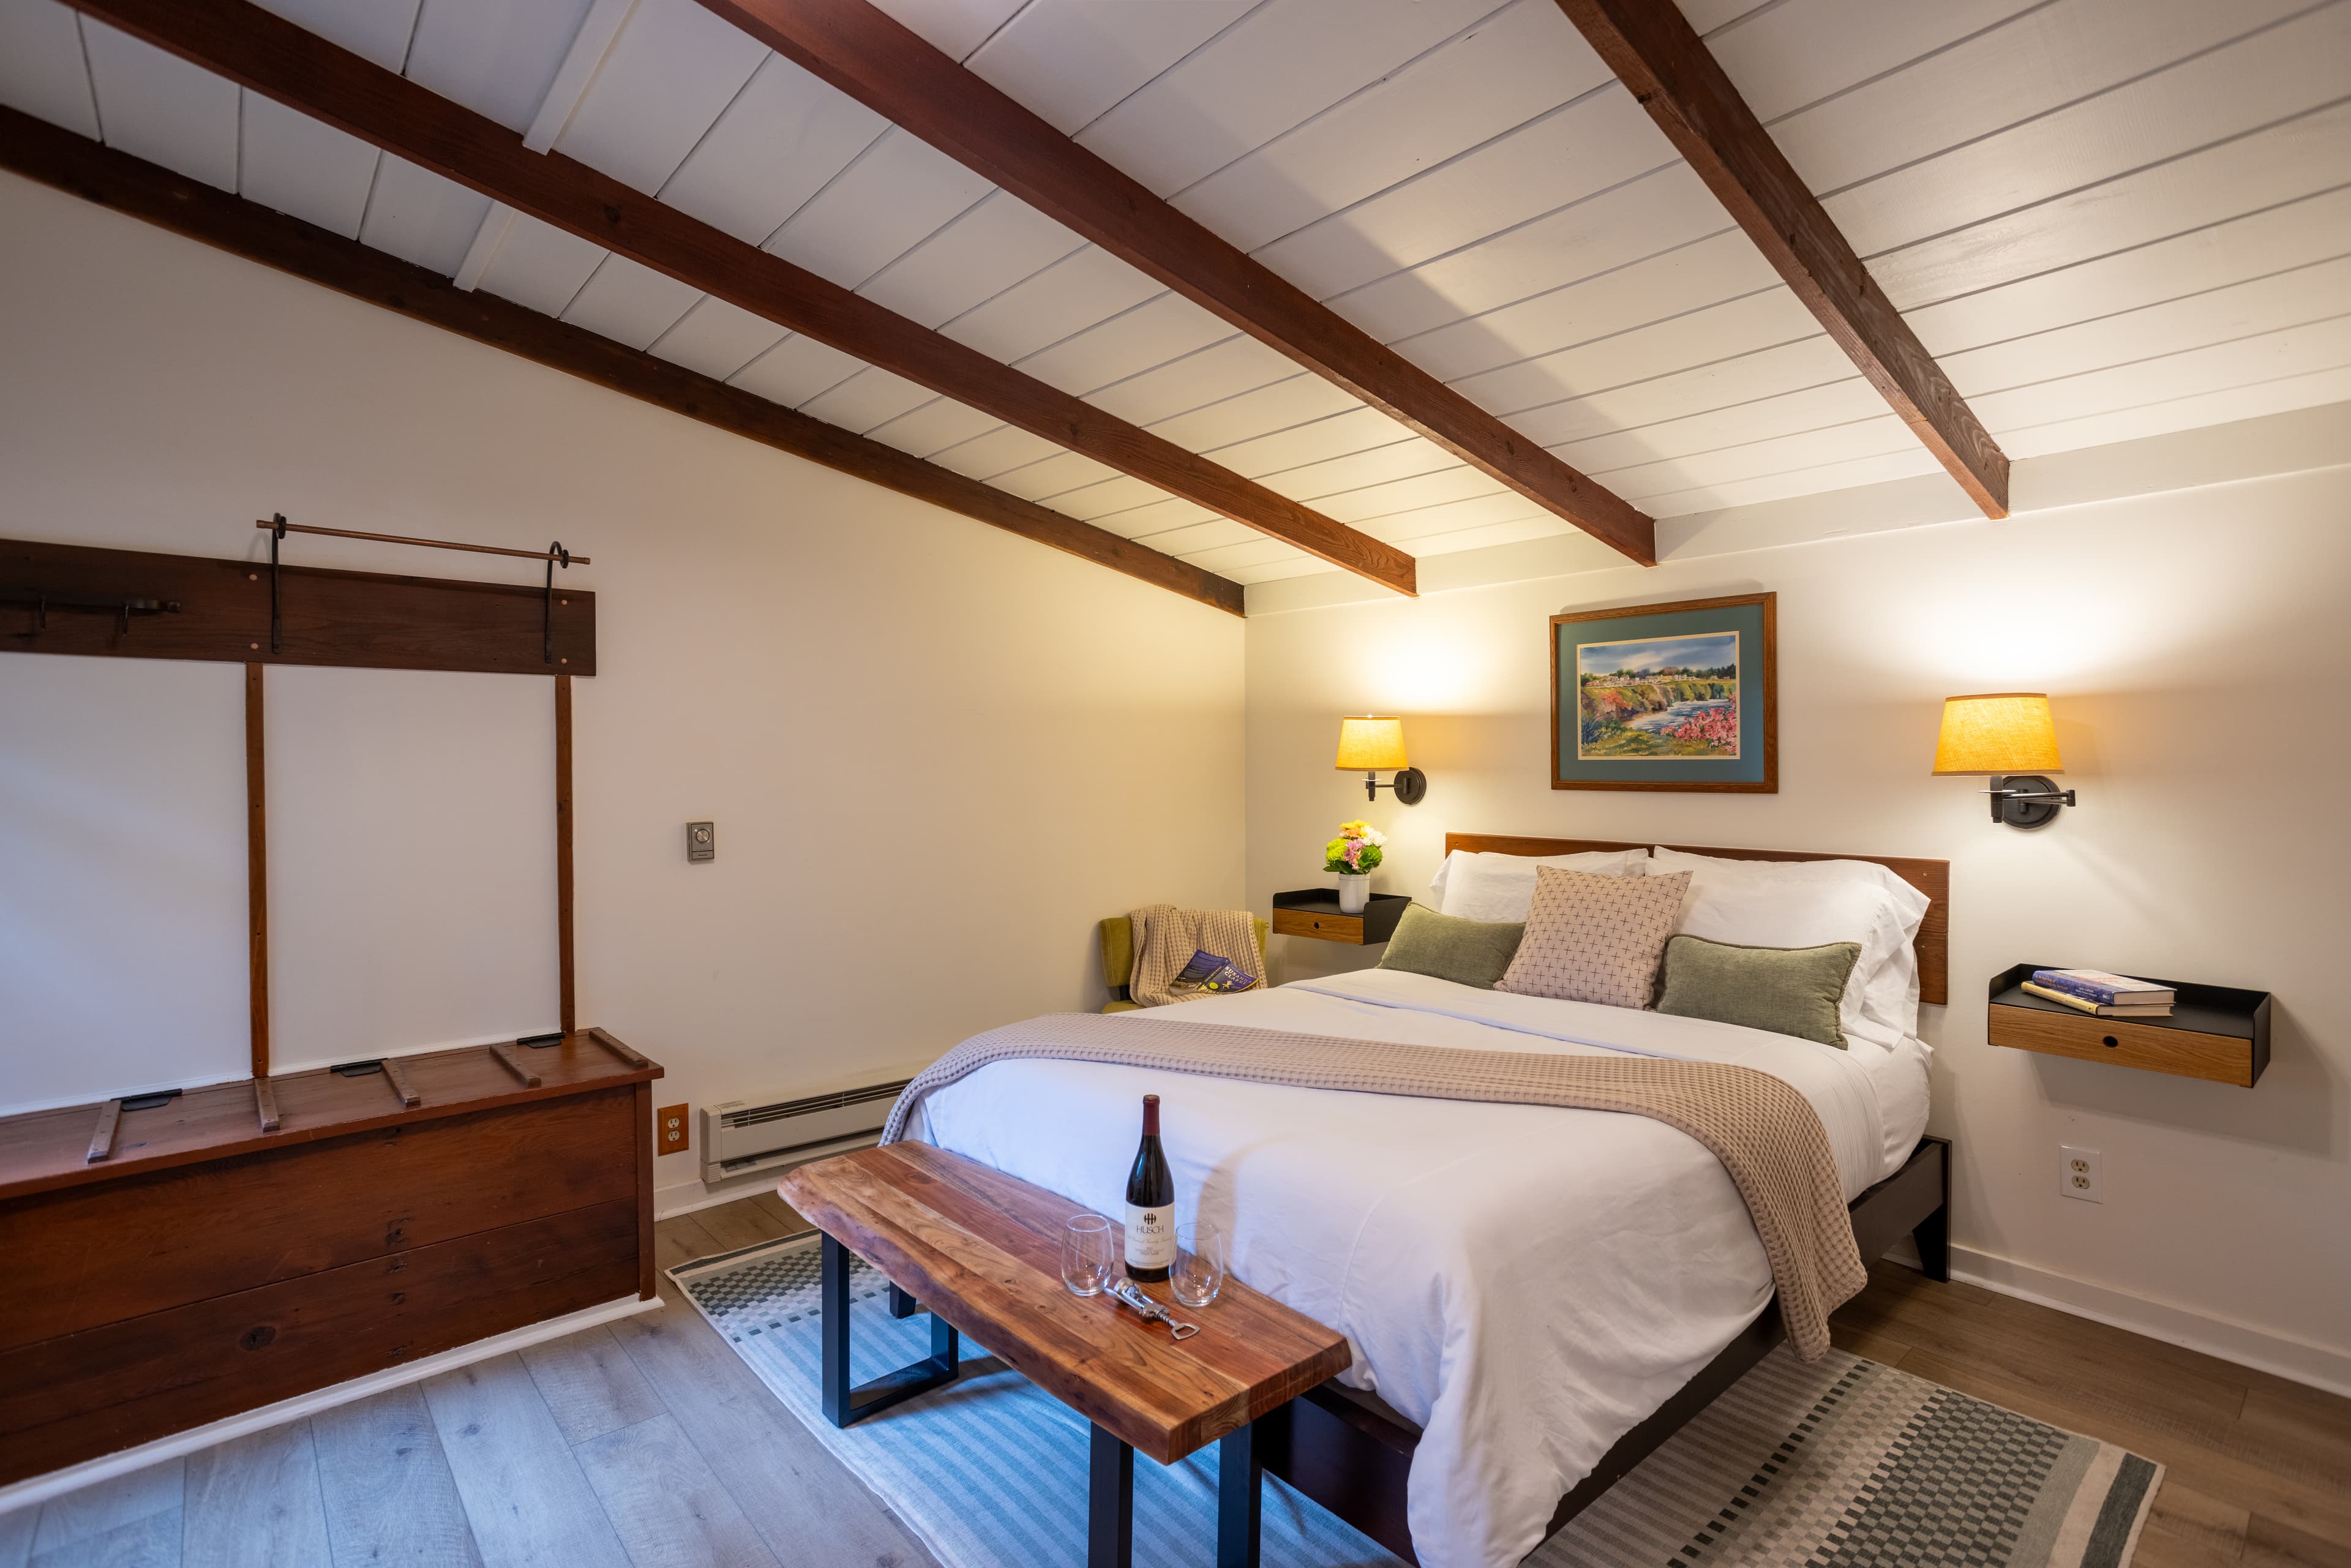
(1355, 854)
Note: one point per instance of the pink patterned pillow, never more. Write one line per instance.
(1593, 938)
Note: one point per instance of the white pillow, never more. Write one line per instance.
(1482, 884)
(1803, 904)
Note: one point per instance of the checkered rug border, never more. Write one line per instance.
(1839, 1464)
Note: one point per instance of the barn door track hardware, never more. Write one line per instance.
(554, 555)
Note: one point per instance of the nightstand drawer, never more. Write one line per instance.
(1329, 927)
(2222, 1059)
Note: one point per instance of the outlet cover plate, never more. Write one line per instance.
(670, 1125)
(2080, 1175)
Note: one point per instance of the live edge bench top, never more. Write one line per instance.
(983, 1250)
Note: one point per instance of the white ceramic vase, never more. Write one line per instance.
(1355, 891)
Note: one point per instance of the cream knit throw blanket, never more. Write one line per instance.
(1165, 937)
(1767, 1135)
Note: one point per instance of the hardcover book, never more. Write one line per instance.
(2112, 990)
(2098, 1010)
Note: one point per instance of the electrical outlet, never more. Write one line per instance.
(669, 1130)
(2078, 1175)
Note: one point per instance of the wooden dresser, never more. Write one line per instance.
(204, 1266)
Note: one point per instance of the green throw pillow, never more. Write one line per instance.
(1788, 990)
(1467, 952)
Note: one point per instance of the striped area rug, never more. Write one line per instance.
(1844, 1464)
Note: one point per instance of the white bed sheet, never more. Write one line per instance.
(1524, 1282)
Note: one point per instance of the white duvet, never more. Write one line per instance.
(1526, 1283)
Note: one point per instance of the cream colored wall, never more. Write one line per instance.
(2198, 647)
(936, 754)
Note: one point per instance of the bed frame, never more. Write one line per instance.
(1352, 1454)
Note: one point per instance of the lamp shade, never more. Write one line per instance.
(1998, 733)
(1371, 745)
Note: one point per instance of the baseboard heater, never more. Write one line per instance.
(771, 1129)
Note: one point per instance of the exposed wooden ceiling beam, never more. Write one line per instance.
(1653, 49)
(894, 71)
(280, 60)
(142, 190)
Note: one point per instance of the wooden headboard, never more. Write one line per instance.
(1932, 878)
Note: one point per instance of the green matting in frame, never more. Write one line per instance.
(1667, 697)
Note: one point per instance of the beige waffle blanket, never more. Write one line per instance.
(1165, 937)
(1767, 1135)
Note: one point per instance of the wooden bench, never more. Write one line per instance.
(982, 1251)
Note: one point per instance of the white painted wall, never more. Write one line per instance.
(121, 853)
(936, 754)
(2197, 646)
(411, 860)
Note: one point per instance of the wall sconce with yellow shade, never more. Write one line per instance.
(2010, 737)
(1372, 746)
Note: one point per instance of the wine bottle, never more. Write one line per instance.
(1150, 1203)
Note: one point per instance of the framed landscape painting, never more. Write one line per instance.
(1667, 697)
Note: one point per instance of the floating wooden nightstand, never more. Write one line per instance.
(2215, 1033)
(1315, 911)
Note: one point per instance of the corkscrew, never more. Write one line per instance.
(1128, 1291)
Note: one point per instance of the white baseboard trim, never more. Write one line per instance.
(40, 1488)
(2263, 1351)
(669, 1202)
(686, 1196)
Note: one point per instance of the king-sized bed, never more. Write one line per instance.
(1535, 1296)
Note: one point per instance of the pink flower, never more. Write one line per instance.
(1714, 727)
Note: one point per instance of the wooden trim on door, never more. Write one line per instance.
(568, 1013)
(256, 874)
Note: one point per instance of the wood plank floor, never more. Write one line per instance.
(649, 1442)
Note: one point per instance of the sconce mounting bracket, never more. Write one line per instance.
(2027, 799)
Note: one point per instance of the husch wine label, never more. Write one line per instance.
(1150, 1239)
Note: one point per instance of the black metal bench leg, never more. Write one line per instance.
(843, 1404)
(833, 1306)
(903, 1305)
(1110, 1503)
(1240, 1497)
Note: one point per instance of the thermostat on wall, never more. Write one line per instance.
(701, 841)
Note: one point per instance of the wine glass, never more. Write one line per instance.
(1200, 1272)
(1085, 1254)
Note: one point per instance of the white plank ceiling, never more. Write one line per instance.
(2109, 218)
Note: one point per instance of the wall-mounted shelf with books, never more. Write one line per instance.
(2218, 1033)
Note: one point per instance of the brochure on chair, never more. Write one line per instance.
(1209, 972)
